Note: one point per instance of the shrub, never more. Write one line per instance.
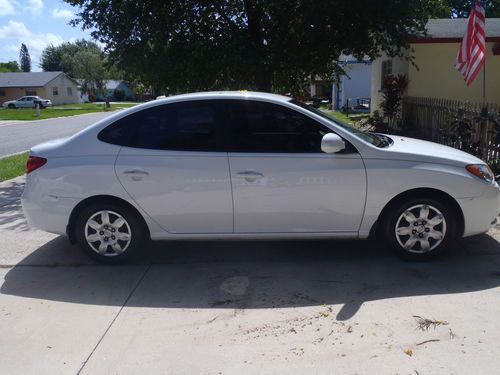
(119, 95)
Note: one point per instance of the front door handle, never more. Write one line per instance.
(250, 176)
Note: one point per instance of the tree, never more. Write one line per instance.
(246, 44)
(83, 60)
(24, 59)
(89, 68)
(461, 8)
(61, 58)
(11, 66)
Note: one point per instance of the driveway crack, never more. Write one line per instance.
(116, 316)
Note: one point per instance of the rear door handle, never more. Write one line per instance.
(137, 171)
(250, 174)
(136, 174)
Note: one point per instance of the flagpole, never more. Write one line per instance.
(485, 110)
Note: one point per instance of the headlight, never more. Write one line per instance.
(482, 171)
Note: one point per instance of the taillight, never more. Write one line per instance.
(34, 162)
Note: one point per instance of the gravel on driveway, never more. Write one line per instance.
(290, 307)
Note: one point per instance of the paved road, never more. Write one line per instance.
(22, 135)
(294, 307)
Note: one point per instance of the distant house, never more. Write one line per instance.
(111, 87)
(432, 73)
(56, 86)
(320, 88)
(354, 88)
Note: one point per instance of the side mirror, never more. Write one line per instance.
(331, 143)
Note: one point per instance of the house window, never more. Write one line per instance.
(2, 92)
(69, 91)
(30, 92)
(386, 71)
(55, 91)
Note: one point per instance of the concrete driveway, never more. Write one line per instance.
(296, 307)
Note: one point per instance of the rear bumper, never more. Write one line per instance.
(46, 212)
(480, 214)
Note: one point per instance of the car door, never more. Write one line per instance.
(282, 182)
(173, 167)
(21, 103)
(29, 102)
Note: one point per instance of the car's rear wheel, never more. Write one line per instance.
(11, 106)
(110, 233)
(420, 229)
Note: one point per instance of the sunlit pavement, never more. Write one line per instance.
(244, 307)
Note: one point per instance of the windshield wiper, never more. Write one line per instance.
(383, 141)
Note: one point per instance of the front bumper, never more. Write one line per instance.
(480, 214)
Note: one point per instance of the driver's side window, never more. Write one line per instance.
(270, 128)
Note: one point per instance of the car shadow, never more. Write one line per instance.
(253, 274)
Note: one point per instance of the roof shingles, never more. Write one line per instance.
(31, 79)
(451, 28)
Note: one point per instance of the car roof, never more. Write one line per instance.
(227, 95)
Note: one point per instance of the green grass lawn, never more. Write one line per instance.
(26, 114)
(352, 119)
(13, 166)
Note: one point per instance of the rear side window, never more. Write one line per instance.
(185, 126)
(265, 127)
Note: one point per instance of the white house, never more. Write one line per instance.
(354, 88)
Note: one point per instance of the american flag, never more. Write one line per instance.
(472, 52)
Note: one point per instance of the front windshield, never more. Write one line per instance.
(372, 138)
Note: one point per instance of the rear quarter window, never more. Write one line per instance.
(185, 126)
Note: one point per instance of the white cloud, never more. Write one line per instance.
(62, 13)
(14, 29)
(18, 33)
(6, 8)
(35, 7)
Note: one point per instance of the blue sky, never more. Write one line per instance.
(37, 23)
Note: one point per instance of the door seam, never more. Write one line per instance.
(231, 184)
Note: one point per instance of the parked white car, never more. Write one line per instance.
(251, 165)
(27, 102)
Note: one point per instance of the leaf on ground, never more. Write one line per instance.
(424, 323)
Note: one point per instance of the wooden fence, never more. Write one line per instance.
(462, 125)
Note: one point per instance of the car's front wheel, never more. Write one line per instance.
(11, 106)
(110, 233)
(420, 229)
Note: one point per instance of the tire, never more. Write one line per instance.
(91, 223)
(11, 106)
(428, 236)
